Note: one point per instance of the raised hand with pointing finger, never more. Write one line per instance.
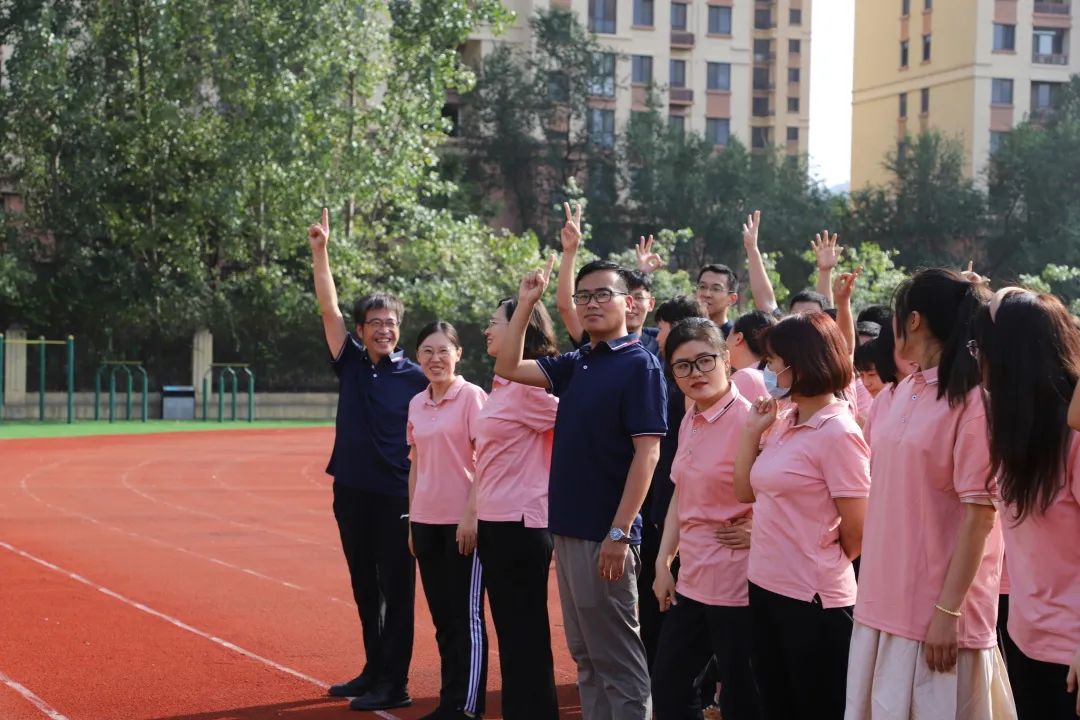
(319, 233)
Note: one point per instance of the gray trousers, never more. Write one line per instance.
(602, 632)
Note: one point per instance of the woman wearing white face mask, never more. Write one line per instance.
(808, 480)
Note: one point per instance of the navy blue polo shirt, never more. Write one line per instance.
(726, 328)
(370, 451)
(660, 492)
(648, 340)
(608, 394)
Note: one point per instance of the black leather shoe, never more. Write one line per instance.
(353, 688)
(382, 697)
(436, 714)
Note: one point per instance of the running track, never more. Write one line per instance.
(188, 576)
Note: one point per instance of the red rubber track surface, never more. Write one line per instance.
(189, 576)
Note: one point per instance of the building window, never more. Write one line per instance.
(795, 16)
(793, 104)
(763, 51)
(763, 19)
(678, 16)
(760, 138)
(678, 74)
(677, 123)
(602, 127)
(928, 4)
(793, 134)
(1004, 38)
(1043, 97)
(905, 8)
(926, 48)
(641, 73)
(558, 87)
(793, 75)
(719, 76)
(924, 101)
(903, 105)
(718, 131)
(602, 16)
(903, 53)
(603, 81)
(997, 139)
(761, 107)
(1048, 46)
(644, 12)
(719, 20)
(794, 47)
(1001, 91)
(761, 79)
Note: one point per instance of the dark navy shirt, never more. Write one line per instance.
(608, 394)
(726, 328)
(656, 504)
(648, 340)
(370, 451)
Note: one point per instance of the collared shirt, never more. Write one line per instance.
(928, 459)
(444, 435)
(513, 453)
(709, 572)
(1044, 588)
(796, 479)
(654, 510)
(370, 452)
(648, 337)
(726, 328)
(608, 395)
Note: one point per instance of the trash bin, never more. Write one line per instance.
(178, 402)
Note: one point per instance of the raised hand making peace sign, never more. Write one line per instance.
(571, 231)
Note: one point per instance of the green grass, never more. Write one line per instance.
(12, 430)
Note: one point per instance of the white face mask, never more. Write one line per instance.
(771, 385)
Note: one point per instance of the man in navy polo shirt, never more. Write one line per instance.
(612, 414)
(370, 466)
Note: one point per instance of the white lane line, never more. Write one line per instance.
(46, 709)
(176, 622)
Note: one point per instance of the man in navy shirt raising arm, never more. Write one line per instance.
(612, 414)
(370, 466)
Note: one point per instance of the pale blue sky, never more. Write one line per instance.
(831, 50)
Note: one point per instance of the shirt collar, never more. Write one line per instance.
(499, 380)
(721, 406)
(451, 392)
(929, 377)
(621, 343)
(395, 357)
(818, 419)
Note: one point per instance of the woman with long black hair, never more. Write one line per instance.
(1028, 350)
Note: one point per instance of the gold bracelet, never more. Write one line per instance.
(947, 611)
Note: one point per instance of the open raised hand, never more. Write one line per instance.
(750, 230)
(319, 233)
(647, 260)
(534, 283)
(827, 250)
(571, 231)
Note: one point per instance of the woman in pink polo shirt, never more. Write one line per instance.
(442, 512)
(808, 481)
(1029, 353)
(925, 642)
(707, 609)
(513, 462)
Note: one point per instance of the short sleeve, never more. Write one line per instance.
(409, 439)
(349, 354)
(971, 457)
(1073, 467)
(644, 405)
(846, 464)
(558, 370)
(538, 409)
(477, 398)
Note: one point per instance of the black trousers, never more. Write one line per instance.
(693, 634)
(1038, 687)
(517, 562)
(374, 533)
(800, 655)
(454, 588)
(649, 616)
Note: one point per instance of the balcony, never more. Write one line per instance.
(1050, 59)
(682, 40)
(680, 96)
(1052, 8)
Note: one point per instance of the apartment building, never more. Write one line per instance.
(724, 68)
(971, 69)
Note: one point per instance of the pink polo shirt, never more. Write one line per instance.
(878, 407)
(863, 399)
(444, 436)
(1044, 573)
(801, 469)
(513, 453)
(702, 471)
(928, 458)
(751, 383)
